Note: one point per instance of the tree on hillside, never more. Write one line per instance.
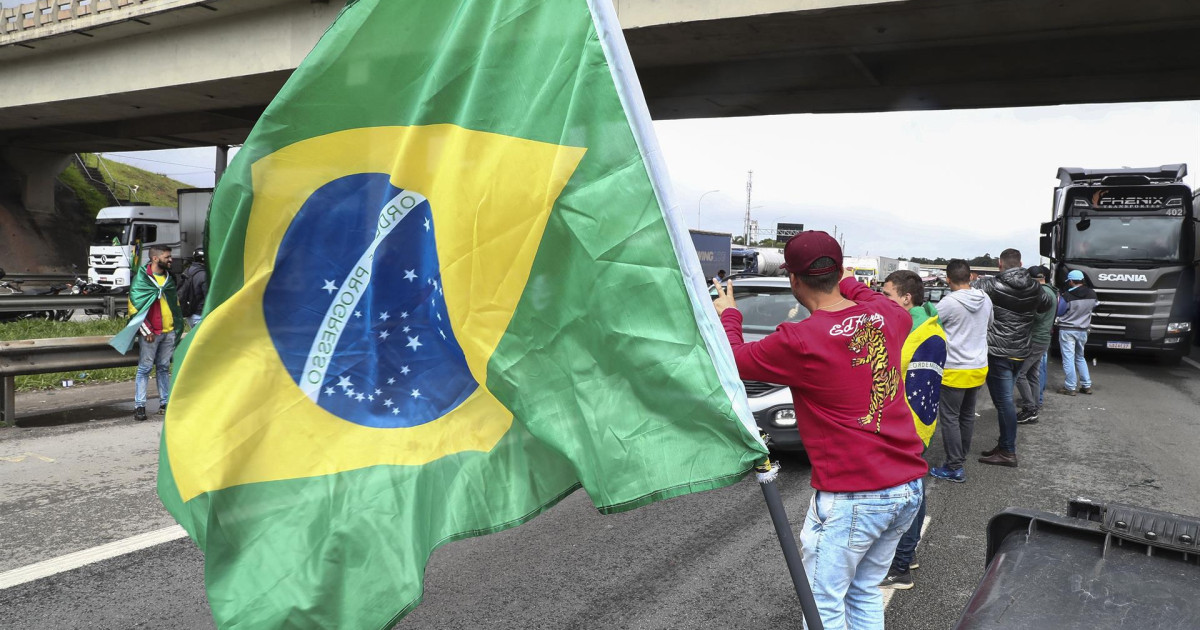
(985, 260)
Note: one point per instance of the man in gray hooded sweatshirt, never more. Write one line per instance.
(966, 314)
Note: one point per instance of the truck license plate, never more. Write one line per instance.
(1120, 345)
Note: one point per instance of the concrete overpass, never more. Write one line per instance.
(149, 74)
(120, 75)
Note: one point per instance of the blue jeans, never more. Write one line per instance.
(1042, 392)
(154, 355)
(194, 320)
(907, 547)
(849, 539)
(1071, 342)
(1002, 373)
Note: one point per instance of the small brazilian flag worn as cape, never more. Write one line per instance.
(448, 289)
(923, 358)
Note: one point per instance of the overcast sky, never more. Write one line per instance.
(947, 183)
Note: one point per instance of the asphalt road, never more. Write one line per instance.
(73, 478)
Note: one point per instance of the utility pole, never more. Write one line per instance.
(749, 188)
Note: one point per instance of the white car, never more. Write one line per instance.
(766, 302)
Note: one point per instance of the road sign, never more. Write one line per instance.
(787, 230)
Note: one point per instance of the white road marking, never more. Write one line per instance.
(1192, 363)
(888, 592)
(16, 459)
(79, 559)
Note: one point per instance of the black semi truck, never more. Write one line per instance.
(1133, 233)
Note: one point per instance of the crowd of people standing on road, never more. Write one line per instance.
(867, 368)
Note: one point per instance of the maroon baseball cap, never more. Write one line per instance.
(803, 249)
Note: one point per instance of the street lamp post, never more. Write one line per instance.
(698, 206)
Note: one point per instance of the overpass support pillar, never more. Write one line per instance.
(222, 163)
(34, 172)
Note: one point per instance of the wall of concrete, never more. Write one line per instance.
(34, 173)
(242, 45)
(643, 13)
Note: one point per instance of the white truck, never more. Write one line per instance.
(871, 268)
(119, 227)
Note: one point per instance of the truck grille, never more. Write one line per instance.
(1133, 313)
(104, 260)
(758, 388)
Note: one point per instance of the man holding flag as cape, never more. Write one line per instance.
(156, 323)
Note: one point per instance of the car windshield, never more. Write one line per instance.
(111, 233)
(1126, 238)
(764, 310)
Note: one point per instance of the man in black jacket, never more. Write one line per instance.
(194, 290)
(1016, 300)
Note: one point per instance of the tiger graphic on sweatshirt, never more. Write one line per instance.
(884, 380)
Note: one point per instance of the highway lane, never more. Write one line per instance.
(701, 561)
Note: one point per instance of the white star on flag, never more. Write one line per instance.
(329, 286)
(414, 343)
(349, 392)
(410, 274)
(427, 224)
(388, 403)
(371, 398)
(442, 333)
(328, 391)
(378, 392)
(407, 329)
(384, 335)
(395, 411)
(344, 382)
(404, 315)
(416, 393)
(358, 314)
(358, 397)
(391, 381)
(404, 370)
(384, 316)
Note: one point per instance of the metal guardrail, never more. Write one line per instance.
(44, 356)
(34, 303)
(39, 278)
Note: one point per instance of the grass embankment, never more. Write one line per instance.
(152, 188)
(87, 194)
(41, 329)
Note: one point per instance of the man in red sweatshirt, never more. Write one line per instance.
(843, 366)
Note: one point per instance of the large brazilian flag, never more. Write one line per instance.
(448, 289)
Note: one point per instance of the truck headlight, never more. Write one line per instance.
(784, 418)
(1176, 328)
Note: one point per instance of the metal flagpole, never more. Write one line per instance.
(766, 473)
(629, 89)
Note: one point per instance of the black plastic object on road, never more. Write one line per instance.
(1102, 566)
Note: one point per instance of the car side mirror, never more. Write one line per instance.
(1084, 222)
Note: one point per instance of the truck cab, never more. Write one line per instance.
(117, 229)
(1132, 232)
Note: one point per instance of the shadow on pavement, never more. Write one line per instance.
(78, 415)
